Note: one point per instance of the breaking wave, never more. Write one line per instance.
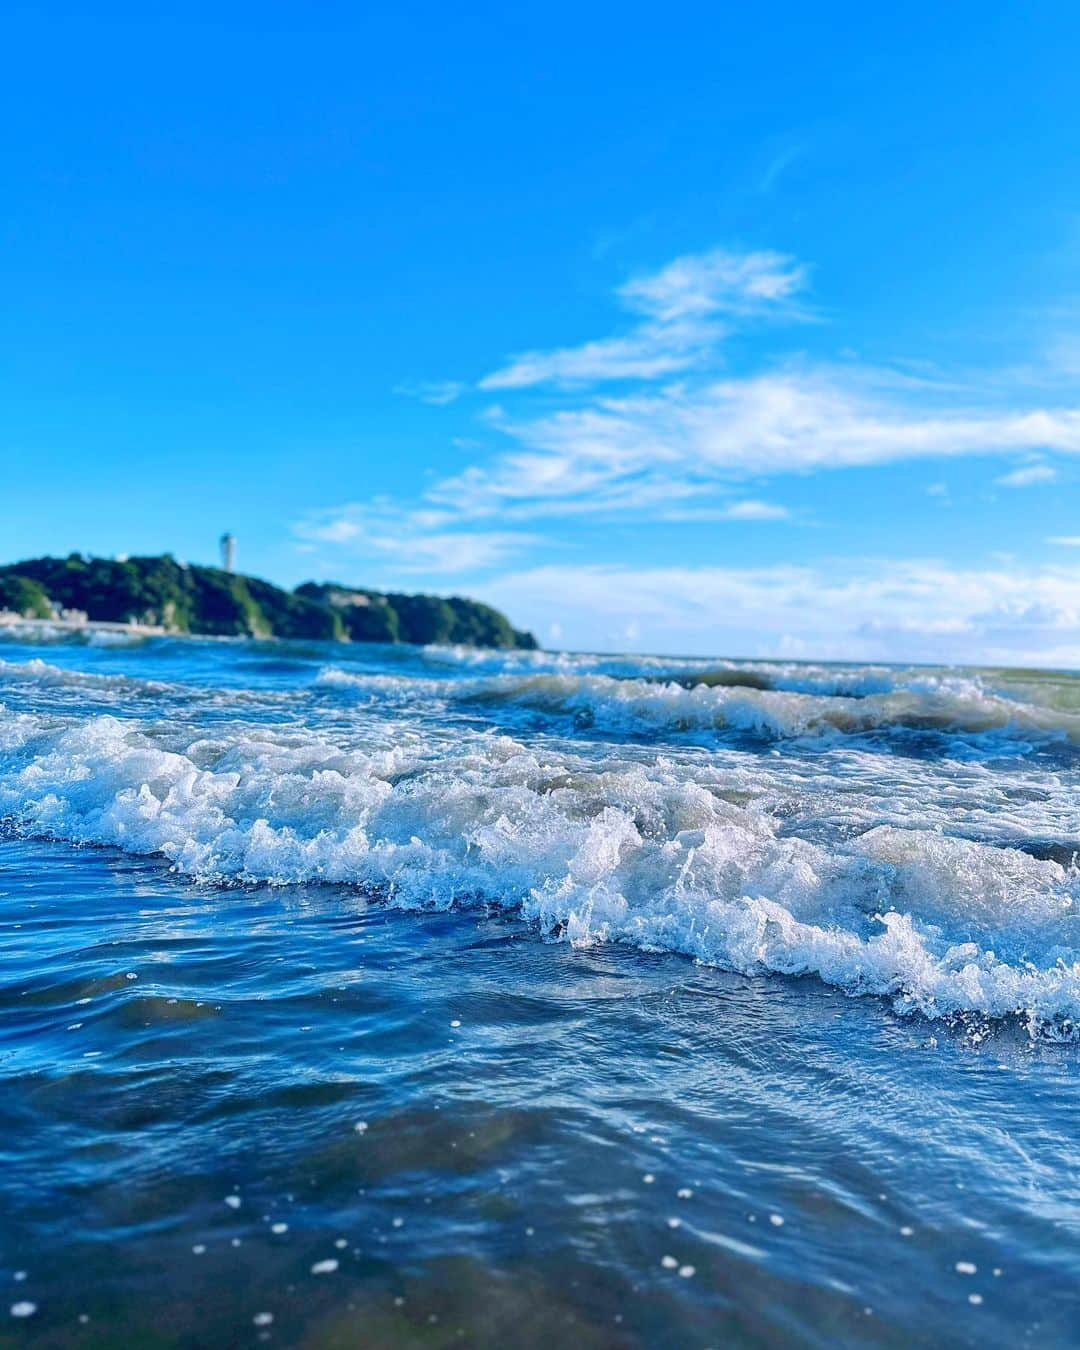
(588, 849)
(801, 677)
(637, 706)
(45, 675)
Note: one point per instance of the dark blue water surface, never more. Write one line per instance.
(385, 998)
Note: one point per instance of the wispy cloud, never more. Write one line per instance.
(691, 438)
(755, 510)
(418, 540)
(1065, 540)
(790, 421)
(452, 551)
(686, 308)
(749, 510)
(652, 350)
(720, 281)
(1028, 476)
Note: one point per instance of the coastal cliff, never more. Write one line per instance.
(189, 598)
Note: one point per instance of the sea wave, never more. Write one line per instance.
(635, 705)
(590, 850)
(44, 674)
(791, 676)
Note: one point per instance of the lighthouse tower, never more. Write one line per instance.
(228, 551)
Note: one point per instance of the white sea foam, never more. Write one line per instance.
(649, 853)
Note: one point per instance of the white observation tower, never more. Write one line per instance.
(228, 551)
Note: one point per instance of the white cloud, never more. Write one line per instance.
(687, 439)
(335, 530)
(755, 510)
(420, 540)
(720, 281)
(650, 351)
(861, 609)
(749, 510)
(1028, 476)
(1065, 540)
(681, 304)
(788, 421)
(452, 551)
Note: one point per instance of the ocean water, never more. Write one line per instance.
(362, 996)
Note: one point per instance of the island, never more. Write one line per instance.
(161, 594)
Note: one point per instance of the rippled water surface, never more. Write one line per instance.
(368, 996)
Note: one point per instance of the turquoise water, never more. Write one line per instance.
(384, 997)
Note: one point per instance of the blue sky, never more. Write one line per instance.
(725, 329)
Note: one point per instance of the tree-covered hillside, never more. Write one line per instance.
(375, 616)
(188, 598)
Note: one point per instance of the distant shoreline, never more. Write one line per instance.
(21, 627)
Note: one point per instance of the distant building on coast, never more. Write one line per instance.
(228, 551)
